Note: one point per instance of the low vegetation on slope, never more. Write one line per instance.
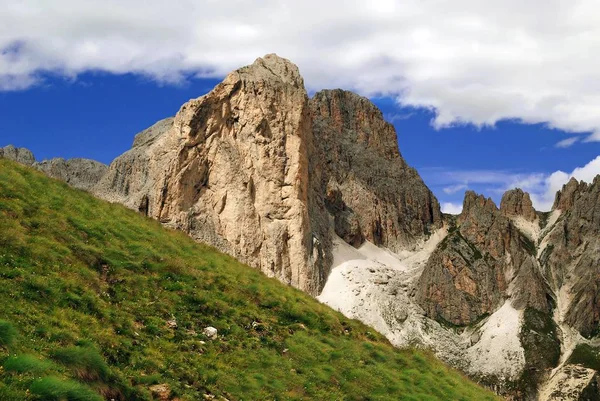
(99, 302)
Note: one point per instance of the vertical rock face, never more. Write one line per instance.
(483, 261)
(566, 197)
(371, 192)
(232, 170)
(262, 173)
(571, 258)
(20, 155)
(517, 203)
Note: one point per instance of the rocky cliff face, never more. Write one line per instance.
(263, 173)
(516, 203)
(369, 189)
(484, 260)
(545, 264)
(570, 256)
(232, 171)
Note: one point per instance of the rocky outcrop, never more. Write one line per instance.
(516, 203)
(572, 383)
(566, 197)
(371, 192)
(483, 260)
(20, 155)
(257, 170)
(79, 173)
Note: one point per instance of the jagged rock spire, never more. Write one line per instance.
(517, 203)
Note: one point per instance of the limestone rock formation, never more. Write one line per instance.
(551, 273)
(565, 198)
(572, 383)
(483, 260)
(79, 173)
(257, 170)
(20, 155)
(571, 256)
(517, 203)
(232, 171)
(370, 190)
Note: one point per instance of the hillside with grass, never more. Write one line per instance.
(99, 303)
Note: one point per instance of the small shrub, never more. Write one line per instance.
(587, 356)
(86, 362)
(54, 389)
(7, 334)
(26, 364)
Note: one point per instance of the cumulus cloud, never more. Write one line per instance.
(541, 186)
(471, 61)
(451, 208)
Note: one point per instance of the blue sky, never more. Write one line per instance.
(97, 115)
(484, 95)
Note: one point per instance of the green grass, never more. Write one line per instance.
(54, 389)
(7, 334)
(86, 363)
(87, 289)
(26, 364)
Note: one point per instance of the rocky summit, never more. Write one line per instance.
(315, 192)
(262, 172)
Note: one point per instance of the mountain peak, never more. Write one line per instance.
(476, 203)
(261, 172)
(517, 203)
(272, 68)
(565, 198)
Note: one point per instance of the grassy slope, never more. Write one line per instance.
(89, 288)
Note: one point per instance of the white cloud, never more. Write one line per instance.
(470, 60)
(451, 208)
(542, 187)
(566, 143)
(454, 188)
(543, 192)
